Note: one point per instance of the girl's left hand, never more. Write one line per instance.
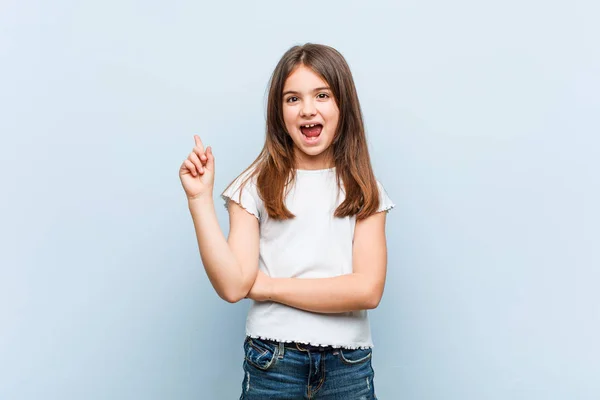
(261, 290)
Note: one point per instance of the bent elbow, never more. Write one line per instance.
(372, 303)
(232, 296)
(372, 299)
(237, 292)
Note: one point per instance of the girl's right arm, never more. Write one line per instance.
(231, 265)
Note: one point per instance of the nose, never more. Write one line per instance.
(308, 109)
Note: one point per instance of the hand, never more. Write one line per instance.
(261, 290)
(197, 173)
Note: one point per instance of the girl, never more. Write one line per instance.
(306, 239)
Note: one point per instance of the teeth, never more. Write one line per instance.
(309, 126)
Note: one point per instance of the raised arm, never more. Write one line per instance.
(231, 265)
(360, 290)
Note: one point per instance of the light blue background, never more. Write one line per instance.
(483, 124)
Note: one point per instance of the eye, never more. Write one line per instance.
(291, 99)
(322, 96)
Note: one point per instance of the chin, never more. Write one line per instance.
(312, 152)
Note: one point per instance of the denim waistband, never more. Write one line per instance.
(300, 346)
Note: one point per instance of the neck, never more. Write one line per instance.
(320, 161)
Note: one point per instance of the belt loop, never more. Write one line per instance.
(280, 350)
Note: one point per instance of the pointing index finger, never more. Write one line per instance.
(199, 143)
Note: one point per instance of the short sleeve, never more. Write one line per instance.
(249, 199)
(385, 203)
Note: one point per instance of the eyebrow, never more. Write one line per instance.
(314, 90)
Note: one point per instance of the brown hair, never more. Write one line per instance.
(275, 165)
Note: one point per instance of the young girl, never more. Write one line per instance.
(307, 235)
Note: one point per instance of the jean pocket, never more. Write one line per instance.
(259, 353)
(355, 356)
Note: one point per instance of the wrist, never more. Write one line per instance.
(200, 200)
(270, 292)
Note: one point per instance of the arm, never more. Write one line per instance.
(231, 265)
(360, 290)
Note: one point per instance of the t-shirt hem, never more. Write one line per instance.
(350, 346)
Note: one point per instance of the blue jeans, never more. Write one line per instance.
(293, 371)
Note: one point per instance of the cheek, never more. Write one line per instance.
(288, 118)
(333, 116)
(330, 111)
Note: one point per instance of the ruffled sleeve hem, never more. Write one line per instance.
(228, 198)
(385, 203)
(246, 196)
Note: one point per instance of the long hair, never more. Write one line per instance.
(275, 165)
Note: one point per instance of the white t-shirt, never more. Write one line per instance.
(314, 244)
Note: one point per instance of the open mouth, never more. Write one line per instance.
(311, 132)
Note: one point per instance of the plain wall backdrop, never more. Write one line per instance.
(482, 120)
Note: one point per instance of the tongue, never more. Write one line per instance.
(312, 132)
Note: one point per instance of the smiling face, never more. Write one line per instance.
(310, 114)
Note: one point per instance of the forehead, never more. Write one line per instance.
(303, 78)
